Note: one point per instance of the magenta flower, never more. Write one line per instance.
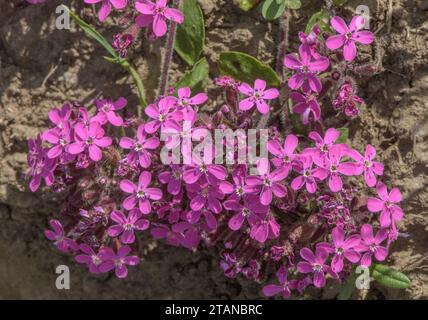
(107, 111)
(315, 264)
(140, 193)
(106, 6)
(213, 173)
(126, 226)
(118, 261)
(284, 156)
(91, 139)
(335, 168)
(248, 210)
(194, 217)
(323, 145)
(307, 105)
(58, 117)
(306, 70)
(387, 204)
(157, 13)
(348, 36)
(268, 182)
(310, 41)
(265, 227)
(309, 176)
(139, 147)
(163, 113)
(185, 102)
(57, 235)
(257, 96)
(342, 248)
(173, 179)
(239, 188)
(40, 166)
(367, 165)
(90, 258)
(284, 286)
(205, 194)
(371, 245)
(59, 138)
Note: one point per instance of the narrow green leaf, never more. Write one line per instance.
(244, 67)
(190, 38)
(272, 10)
(322, 19)
(390, 277)
(344, 134)
(197, 78)
(293, 4)
(90, 31)
(347, 288)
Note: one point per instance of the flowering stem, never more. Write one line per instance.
(138, 83)
(167, 59)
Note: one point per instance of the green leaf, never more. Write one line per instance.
(90, 31)
(196, 78)
(339, 3)
(390, 277)
(344, 134)
(322, 19)
(293, 4)
(244, 67)
(247, 5)
(347, 288)
(190, 38)
(272, 10)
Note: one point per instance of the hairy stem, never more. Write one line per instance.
(167, 59)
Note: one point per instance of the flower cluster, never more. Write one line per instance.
(300, 208)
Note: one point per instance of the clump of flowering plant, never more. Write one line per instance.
(298, 210)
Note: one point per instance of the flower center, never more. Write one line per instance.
(62, 142)
(367, 163)
(245, 212)
(138, 147)
(339, 251)
(239, 191)
(306, 173)
(95, 260)
(205, 192)
(107, 107)
(141, 194)
(160, 10)
(333, 168)
(317, 267)
(128, 226)
(89, 141)
(324, 148)
(348, 36)
(267, 182)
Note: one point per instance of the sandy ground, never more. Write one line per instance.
(41, 67)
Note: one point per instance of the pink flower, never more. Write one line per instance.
(310, 41)
(335, 168)
(315, 264)
(213, 173)
(140, 147)
(57, 235)
(163, 113)
(205, 194)
(90, 258)
(342, 248)
(106, 6)
(284, 286)
(107, 109)
(118, 261)
(309, 176)
(126, 226)
(59, 138)
(367, 165)
(91, 139)
(387, 204)
(140, 193)
(185, 102)
(193, 217)
(248, 210)
(173, 179)
(41, 166)
(239, 188)
(58, 117)
(371, 245)
(348, 36)
(157, 14)
(257, 96)
(265, 227)
(307, 105)
(268, 182)
(284, 156)
(306, 70)
(323, 145)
